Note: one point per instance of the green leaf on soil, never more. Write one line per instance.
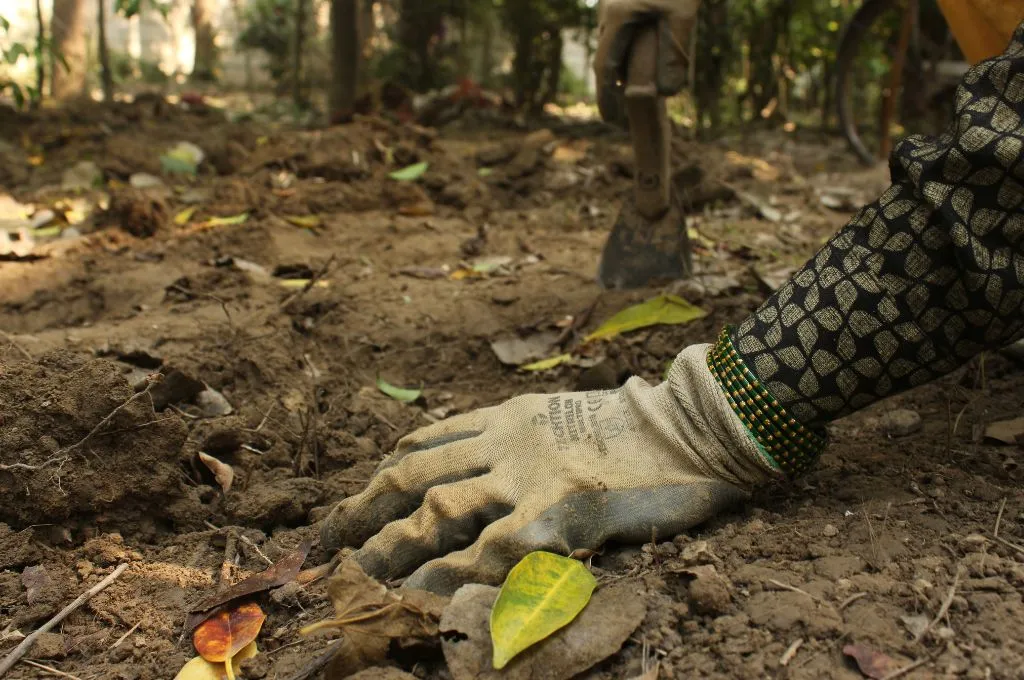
(542, 594)
(547, 364)
(485, 172)
(47, 232)
(304, 221)
(177, 165)
(664, 309)
(226, 221)
(184, 216)
(410, 172)
(402, 394)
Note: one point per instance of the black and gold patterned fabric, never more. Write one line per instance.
(920, 280)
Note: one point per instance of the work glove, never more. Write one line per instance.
(619, 22)
(468, 497)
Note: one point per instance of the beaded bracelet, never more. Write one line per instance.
(792, 447)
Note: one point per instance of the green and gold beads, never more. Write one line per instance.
(792, 447)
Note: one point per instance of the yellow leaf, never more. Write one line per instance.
(36, 160)
(261, 140)
(47, 232)
(184, 216)
(545, 364)
(301, 283)
(304, 221)
(201, 669)
(226, 221)
(542, 594)
(664, 309)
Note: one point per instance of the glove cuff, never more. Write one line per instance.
(792, 448)
(721, 444)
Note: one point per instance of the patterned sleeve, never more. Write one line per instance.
(922, 279)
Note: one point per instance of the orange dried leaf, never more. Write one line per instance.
(223, 635)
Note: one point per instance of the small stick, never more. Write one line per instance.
(309, 284)
(786, 586)
(850, 600)
(124, 637)
(9, 338)
(1012, 546)
(110, 416)
(244, 539)
(791, 652)
(999, 519)
(226, 566)
(26, 466)
(944, 608)
(906, 669)
(27, 643)
(52, 671)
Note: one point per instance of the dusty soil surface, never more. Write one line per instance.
(893, 534)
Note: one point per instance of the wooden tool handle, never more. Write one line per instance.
(649, 126)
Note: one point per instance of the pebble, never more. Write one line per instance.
(830, 531)
(900, 423)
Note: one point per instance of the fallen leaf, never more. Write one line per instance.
(222, 636)
(513, 351)
(606, 623)
(872, 663)
(226, 221)
(410, 172)
(183, 159)
(143, 180)
(184, 216)
(547, 364)
(1006, 431)
(201, 669)
(370, 617)
(222, 472)
(489, 264)
(543, 593)
(424, 272)
(917, 625)
(302, 283)
(82, 175)
(402, 394)
(34, 579)
(281, 572)
(485, 172)
(762, 207)
(47, 232)
(664, 309)
(304, 221)
(772, 279)
(418, 209)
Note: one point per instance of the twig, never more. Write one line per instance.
(944, 608)
(309, 284)
(228, 564)
(197, 293)
(117, 643)
(244, 539)
(999, 519)
(1012, 546)
(850, 600)
(52, 671)
(786, 586)
(906, 669)
(110, 416)
(27, 643)
(9, 338)
(791, 652)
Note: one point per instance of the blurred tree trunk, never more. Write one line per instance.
(40, 54)
(298, 45)
(205, 64)
(67, 33)
(106, 77)
(712, 59)
(345, 58)
(418, 23)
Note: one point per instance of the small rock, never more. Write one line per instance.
(143, 180)
(829, 531)
(49, 646)
(212, 403)
(81, 175)
(709, 591)
(900, 423)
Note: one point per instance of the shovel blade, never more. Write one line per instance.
(641, 252)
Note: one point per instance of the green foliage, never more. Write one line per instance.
(9, 56)
(269, 26)
(130, 8)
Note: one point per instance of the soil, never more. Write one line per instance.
(99, 460)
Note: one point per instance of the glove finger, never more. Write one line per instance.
(454, 429)
(450, 518)
(398, 489)
(584, 520)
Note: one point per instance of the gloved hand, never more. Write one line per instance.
(618, 23)
(554, 472)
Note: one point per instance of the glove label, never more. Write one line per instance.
(568, 416)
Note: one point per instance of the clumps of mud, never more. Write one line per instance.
(57, 468)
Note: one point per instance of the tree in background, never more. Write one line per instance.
(205, 68)
(68, 35)
(345, 60)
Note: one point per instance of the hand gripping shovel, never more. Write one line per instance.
(648, 244)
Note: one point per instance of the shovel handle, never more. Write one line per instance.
(649, 125)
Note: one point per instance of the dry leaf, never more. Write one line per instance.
(514, 350)
(1006, 431)
(872, 663)
(283, 571)
(222, 636)
(201, 669)
(222, 472)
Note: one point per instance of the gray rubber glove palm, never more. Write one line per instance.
(468, 497)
